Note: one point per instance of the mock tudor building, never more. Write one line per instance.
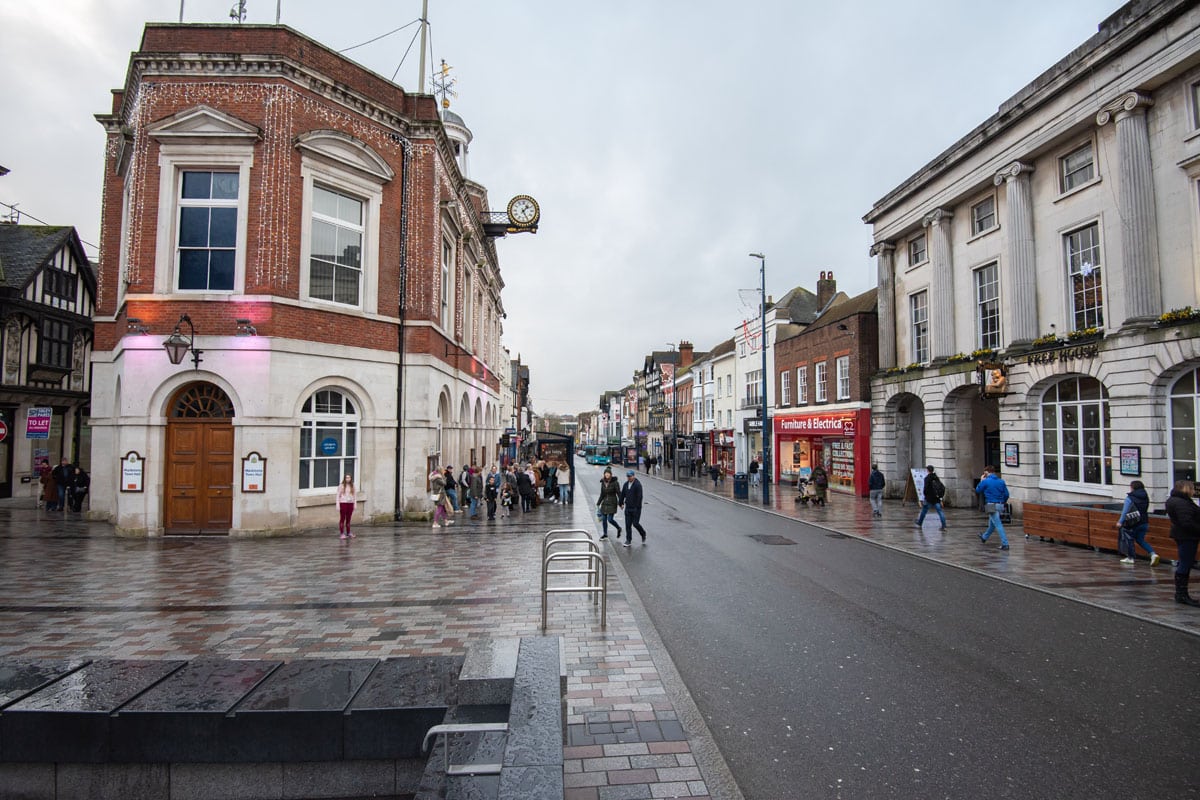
(306, 233)
(47, 294)
(1037, 280)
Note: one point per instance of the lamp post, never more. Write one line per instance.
(766, 422)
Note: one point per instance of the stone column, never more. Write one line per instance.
(1018, 285)
(885, 263)
(1139, 222)
(941, 285)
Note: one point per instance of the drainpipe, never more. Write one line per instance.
(405, 195)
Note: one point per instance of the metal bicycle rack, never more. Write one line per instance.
(595, 568)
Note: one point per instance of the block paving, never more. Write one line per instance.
(72, 588)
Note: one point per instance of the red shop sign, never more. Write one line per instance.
(823, 424)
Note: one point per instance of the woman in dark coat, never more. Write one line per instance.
(49, 487)
(1185, 530)
(610, 498)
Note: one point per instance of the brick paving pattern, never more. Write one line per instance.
(71, 588)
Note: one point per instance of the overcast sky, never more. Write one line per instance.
(664, 139)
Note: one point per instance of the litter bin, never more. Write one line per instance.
(741, 486)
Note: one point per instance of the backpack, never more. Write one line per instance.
(934, 489)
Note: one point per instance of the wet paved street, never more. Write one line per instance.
(71, 588)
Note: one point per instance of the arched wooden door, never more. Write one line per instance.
(199, 468)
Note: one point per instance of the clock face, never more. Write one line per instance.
(523, 210)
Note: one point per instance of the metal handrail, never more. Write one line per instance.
(465, 727)
(597, 572)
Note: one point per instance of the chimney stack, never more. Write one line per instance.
(826, 289)
(685, 355)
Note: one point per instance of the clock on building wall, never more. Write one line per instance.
(523, 211)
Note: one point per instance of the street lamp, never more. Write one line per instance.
(177, 346)
(674, 451)
(766, 422)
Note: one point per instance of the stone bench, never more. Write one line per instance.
(222, 728)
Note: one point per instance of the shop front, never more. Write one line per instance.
(722, 449)
(840, 441)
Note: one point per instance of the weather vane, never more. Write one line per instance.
(443, 84)
(238, 12)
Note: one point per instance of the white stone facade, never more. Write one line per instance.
(1072, 214)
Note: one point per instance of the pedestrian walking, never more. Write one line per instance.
(346, 500)
(476, 490)
(631, 501)
(62, 478)
(820, 482)
(525, 488)
(610, 500)
(875, 484)
(1185, 530)
(563, 476)
(714, 472)
(491, 491)
(1133, 524)
(508, 496)
(49, 489)
(933, 490)
(78, 488)
(442, 509)
(451, 489)
(994, 492)
(754, 471)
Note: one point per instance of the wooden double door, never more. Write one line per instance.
(199, 467)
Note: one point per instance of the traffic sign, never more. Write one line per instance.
(3, 430)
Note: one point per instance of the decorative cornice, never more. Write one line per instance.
(936, 217)
(1013, 170)
(1125, 105)
(881, 247)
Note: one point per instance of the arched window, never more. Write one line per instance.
(328, 440)
(1075, 432)
(1185, 426)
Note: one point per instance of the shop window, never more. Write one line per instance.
(1075, 432)
(328, 440)
(1185, 426)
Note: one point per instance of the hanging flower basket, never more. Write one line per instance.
(1043, 342)
(1085, 334)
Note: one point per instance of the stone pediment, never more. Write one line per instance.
(346, 151)
(204, 124)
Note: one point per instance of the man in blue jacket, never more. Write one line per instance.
(631, 501)
(995, 494)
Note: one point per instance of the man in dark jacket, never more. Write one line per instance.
(875, 484)
(62, 479)
(631, 501)
(452, 487)
(525, 489)
(934, 491)
(1185, 530)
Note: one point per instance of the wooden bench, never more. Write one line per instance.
(1092, 525)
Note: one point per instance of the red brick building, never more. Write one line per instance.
(310, 230)
(823, 390)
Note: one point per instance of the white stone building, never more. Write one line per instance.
(1053, 238)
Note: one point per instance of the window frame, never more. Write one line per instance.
(1178, 396)
(842, 371)
(60, 345)
(1064, 174)
(919, 328)
(174, 160)
(315, 421)
(785, 388)
(352, 184)
(340, 224)
(820, 370)
(977, 228)
(924, 251)
(802, 385)
(980, 302)
(1104, 486)
(1093, 316)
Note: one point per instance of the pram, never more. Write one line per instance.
(806, 492)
